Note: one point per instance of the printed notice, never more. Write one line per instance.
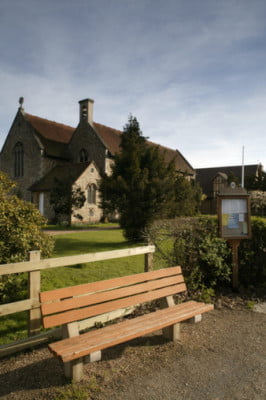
(232, 206)
(241, 217)
(233, 221)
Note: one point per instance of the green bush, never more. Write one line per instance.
(20, 232)
(193, 244)
(252, 258)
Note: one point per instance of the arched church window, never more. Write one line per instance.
(83, 155)
(92, 194)
(18, 160)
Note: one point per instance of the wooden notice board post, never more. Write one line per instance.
(233, 204)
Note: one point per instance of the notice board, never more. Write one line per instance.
(234, 217)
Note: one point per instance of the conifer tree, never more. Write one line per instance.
(141, 186)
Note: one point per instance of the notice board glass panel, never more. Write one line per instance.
(234, 213)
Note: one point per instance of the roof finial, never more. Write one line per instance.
(21, 101)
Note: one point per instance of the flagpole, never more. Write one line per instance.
(243, 173)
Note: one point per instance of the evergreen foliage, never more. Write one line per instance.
(253, 182)
(142, 186)
(65, 199)
(252, 258)
(188, 196)
(256, 185)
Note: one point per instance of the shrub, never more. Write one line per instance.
(252, 258)
(258, 202)
(193, 244)
(20, 232)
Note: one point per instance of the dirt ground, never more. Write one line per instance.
(221, 358)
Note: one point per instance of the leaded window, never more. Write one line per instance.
(92, 194)
(83, 155)
(18, 160)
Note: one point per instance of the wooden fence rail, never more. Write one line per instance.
(34, 266)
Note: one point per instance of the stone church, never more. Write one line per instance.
(36, 151)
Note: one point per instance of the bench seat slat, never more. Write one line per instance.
(91, 336)
(90, 299)
(107, 284)
(73, 348)
(86, 312)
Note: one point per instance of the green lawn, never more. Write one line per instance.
(89, 242)
(14, 327)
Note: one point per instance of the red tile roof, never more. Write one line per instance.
(51, 130)
(109, 136)
(61, 133)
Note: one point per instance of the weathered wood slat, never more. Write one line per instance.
(34, 288)
(86, 300)
(92, 287)
(18, 306)
(26, 266)
(128, 330)
(86, 312)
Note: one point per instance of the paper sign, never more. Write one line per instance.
(241, 217)
(233, 221)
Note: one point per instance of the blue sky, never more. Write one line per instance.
(191, 71)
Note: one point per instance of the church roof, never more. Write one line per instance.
(51, 130)
(56, 136)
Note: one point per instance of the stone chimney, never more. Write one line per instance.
(86, 110)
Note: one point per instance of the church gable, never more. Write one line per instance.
(86, 145)
(21, 155)
(87, 141)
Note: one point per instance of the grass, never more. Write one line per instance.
(89, 242)
(14, 327)
(69, 244)
(81, 226)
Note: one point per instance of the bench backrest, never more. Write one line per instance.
(62, 306)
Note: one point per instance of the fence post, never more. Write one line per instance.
(34, 287)
(148, 262)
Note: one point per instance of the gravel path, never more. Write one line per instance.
(221, 358)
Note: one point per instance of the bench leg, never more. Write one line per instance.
(96, 356)
(172, 332)
(196, 319)
(74, 370)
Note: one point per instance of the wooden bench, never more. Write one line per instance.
(106, 300)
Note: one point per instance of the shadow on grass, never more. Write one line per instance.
(70, 246)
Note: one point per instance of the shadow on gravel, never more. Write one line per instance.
(38, 375)
(48, 373)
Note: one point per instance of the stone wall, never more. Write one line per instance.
(90, 212)
(85, 138)
(22, 132)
